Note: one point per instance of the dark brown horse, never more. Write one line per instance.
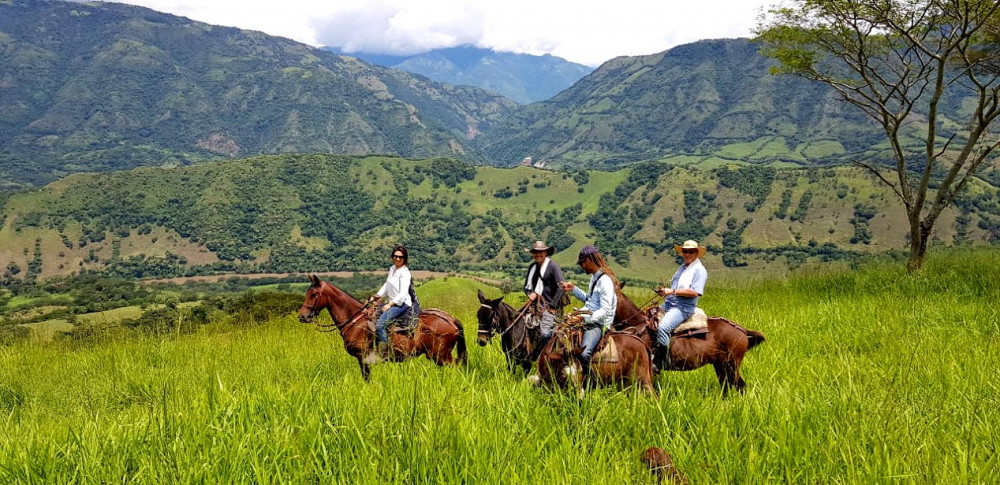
(630, 363)
(723, 346)
(519, 344)
(436, 334)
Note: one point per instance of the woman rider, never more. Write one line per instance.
(601, 301)
(681, 299)
(397, 290)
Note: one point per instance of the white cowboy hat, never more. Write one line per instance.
(690, 244)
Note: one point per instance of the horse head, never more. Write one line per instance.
(315, 302)
(489, 317)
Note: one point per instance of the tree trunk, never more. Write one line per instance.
(919, 235)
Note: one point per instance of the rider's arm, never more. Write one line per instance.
(606, 295)
(579, 294)
(383, 289)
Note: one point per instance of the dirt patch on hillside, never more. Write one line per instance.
(420, 275)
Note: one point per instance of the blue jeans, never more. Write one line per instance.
(387, 317)
(591, 337)
(670, 321)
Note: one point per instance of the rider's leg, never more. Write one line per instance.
(385, 319)
(547, 326)
(672, 318)
(591, 337)
(670, 321)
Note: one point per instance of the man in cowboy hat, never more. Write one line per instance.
(541, 284)
(682, 297)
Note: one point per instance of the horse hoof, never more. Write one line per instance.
(372, 358)
(534, 379)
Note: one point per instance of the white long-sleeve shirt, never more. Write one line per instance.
(602, 300)
(397, 286)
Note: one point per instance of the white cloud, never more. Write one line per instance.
(585, 32)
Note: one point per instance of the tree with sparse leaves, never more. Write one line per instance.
(899, 61)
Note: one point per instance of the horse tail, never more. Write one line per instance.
(754, 338)
(463, 355)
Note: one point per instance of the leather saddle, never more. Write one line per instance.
(696, 325)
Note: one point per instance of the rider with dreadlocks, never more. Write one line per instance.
(601, 301)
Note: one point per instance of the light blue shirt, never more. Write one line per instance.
(602, 300)
(697, 284)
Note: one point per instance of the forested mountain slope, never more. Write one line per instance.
(324, 212)
(711, 100)
(106, 86)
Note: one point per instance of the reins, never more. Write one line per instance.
(640, 310)
(341, 327)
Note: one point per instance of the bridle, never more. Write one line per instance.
(494, 320)
(321, 327)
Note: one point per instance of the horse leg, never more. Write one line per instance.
(645, 373)
(444, 346)
(720, 373)
(740, 384)
(365, 369)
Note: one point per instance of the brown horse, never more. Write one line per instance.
(723, 346)
(559, 364)
(437, 332)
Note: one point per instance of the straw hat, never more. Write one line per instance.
(690, 244)
(540, 246)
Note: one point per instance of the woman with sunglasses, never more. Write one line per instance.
(397, 290)
(682, 297)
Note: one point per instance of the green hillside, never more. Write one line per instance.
(106, 86)
(869, 376)
(325, 212)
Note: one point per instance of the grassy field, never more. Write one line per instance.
(871, 376)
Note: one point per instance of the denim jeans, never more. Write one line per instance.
(388, 316)
(547, 325)
(591, 337)
(670, 321)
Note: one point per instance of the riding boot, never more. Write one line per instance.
(660, 358)
(588, 379)
(384, 351)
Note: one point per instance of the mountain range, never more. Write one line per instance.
(523, 78)
(104, 86)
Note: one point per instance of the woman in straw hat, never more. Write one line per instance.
(541, 285)
(681, 299)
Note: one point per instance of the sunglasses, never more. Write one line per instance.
(689, 251)
(397, 256)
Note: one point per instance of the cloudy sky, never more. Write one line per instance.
(588, 32)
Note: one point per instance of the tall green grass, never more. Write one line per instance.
(871, 376)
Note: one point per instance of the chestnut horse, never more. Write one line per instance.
(723, 346)
(437, 332)
(559, 364)
(520, 345)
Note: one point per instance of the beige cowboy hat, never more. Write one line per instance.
(690, 244)
(541, 246)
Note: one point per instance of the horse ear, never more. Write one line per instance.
(314, 279)
(496, 302)
(482, 297)
(621, 285)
